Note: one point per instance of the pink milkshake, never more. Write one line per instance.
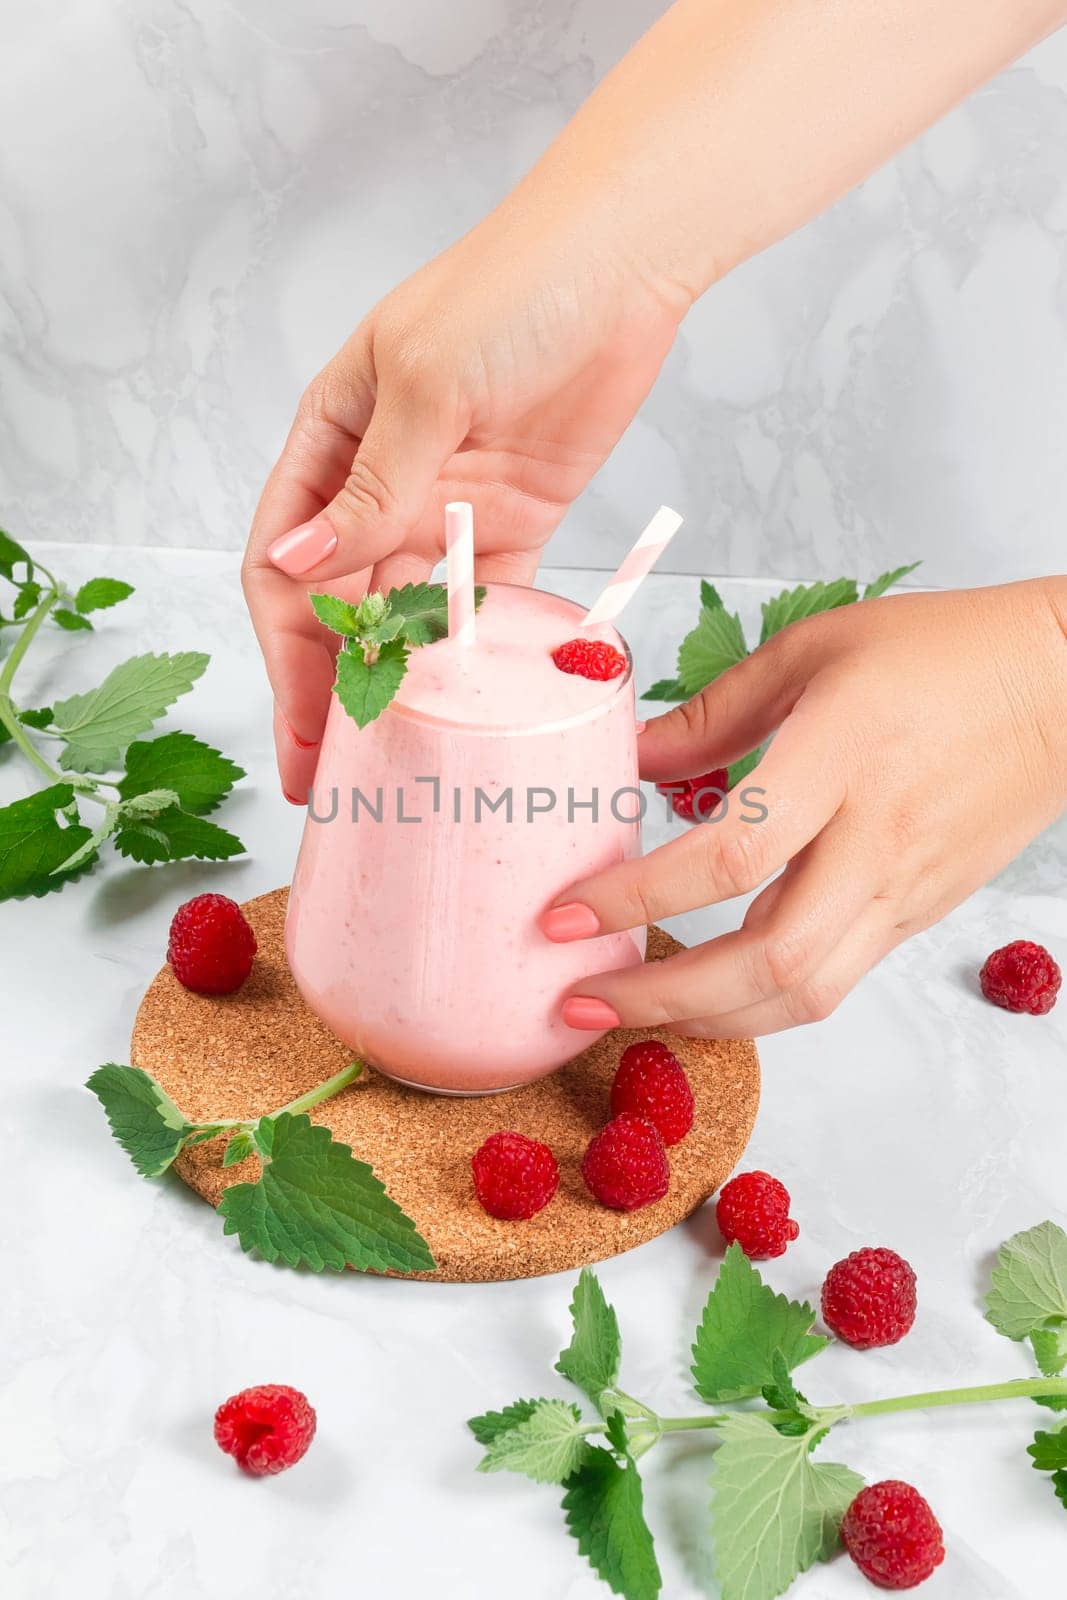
(447, 826)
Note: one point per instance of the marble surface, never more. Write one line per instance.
(917, 1117)
(198, 201)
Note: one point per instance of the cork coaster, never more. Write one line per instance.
(253, 1051)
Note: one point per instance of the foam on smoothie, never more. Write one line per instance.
(507, 679)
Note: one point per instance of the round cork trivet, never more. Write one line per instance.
(251, 1052)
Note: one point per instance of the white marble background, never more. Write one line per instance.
(199, 199)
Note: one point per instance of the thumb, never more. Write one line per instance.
(727, 719)
(407, 442)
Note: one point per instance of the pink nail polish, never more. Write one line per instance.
(582, 1011)
(297, 552)
(639, 727)
(572, 921)
(301, 744)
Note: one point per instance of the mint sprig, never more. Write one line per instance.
(776, 1507)
(377, 637)
(153, 795)
(313, 1205)
(718, 640)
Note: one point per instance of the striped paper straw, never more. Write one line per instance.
(635, 567)
(459, 548)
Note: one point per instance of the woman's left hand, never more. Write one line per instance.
(922, 743)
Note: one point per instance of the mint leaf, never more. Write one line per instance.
(13, 555)
(175, 835)
(364, 687)
(239, 1146)
(40, 718)
(805, 601)
(100, 593)
(710, 596)
(716, 643)
(340, 616)
(424, 608)
(27, 597)
(87, 850)
(1049, 1452)
(71, 621)
(315, 1205)
(775, 1511)
(200, 776)
(605, 1513)
(1029, 1284)
(666, 689)
(1050, 1347)
(144, 1120)
(33, 843)
(491, 1424)
(591, 1360)
(887, 580)
(744, 1324)
(99, 725)
(547, 1446)
(782, 1394)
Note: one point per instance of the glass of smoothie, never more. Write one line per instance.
(437, 836)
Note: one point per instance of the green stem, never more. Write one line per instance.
(687, 1424)
(1017, 1389)
(315, 1097)
(303, 1102)
(8, 712)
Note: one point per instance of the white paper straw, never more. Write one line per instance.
(635, 567)
(459, 547)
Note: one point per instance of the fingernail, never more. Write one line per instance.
(572, 921)
(582, 1011)
(639, 727)
(293, 801)
(297, 552)
(301, 744)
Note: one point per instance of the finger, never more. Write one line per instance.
(802, 784)
(399, 569)
(822, 893)
(297, 651)
(507, 566)
(863, 947)
(732, 715)
(388, 483)
(297, 759)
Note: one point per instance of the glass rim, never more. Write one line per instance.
(618, 685)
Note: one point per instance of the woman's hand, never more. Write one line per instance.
(502, 373)
(922, 743)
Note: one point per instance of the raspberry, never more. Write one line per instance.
(869, 1298)
(892, 1535)
(625, 1166)
(651, 1083)
(265, 1429)
(753, 1211)
(692, 798)
(514, 1177)
(1021, 977)
(590, 658)
(211, 945)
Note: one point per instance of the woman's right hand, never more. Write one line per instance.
(503, 373)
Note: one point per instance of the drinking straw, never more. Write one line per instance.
(459, 548)
(635, 567)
